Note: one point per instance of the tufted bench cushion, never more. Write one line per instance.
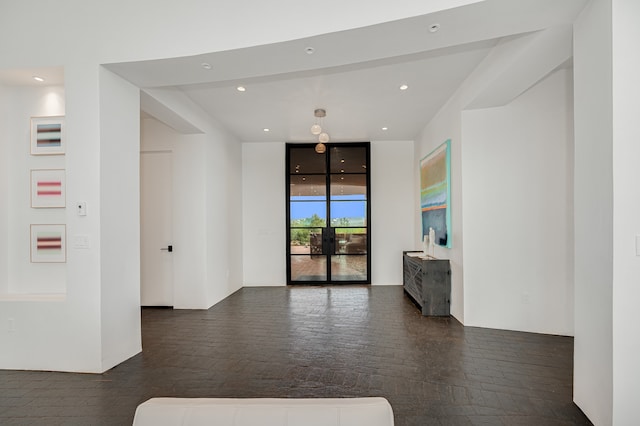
(264, 412)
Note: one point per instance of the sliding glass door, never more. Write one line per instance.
(328, 209)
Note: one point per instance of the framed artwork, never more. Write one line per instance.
(47, 135)
(48, 188)
(435, 194)
(48, 244)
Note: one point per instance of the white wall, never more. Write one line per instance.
(216, 234)
(517, 163)
(207, 230)
(187, 153)
(120, 219)
(593, 204)
(263, 214)
(224, 215)
(24, 276)
(448, 124)
(4, 192)
(392, 200)
(626, 210)
(264, 239)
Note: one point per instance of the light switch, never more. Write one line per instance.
(637, 245)
(81, 208)
(80, 241)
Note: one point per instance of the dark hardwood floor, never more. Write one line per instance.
(316, 342)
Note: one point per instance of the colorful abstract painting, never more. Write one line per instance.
(47, 135)
(48, 244)
(48, 188)
(435, 194)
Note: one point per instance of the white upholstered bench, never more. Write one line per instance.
(264, 412)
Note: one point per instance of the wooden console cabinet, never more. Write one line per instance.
(427, 281)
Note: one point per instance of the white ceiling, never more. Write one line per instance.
(355, 75)
(358, 102)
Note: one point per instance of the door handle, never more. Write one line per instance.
(168, 248)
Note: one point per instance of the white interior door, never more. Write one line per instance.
(156, 268)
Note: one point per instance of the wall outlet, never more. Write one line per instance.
(81, 242)
(526, 299)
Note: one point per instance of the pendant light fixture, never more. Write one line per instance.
(316, 130)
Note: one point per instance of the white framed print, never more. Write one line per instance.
(48, 188)
(48, 244)
(47, 135)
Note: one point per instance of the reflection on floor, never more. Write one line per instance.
(316, 342)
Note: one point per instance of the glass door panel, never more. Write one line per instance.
(350, 241)
(348, 159)
(308, 213)
(305, 241)
(345, 186)
(348, 213)
(349, 268)
(303, 161)
(308, 268)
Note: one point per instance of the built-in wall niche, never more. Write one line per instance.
(33, 211)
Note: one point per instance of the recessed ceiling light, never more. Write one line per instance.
(433, 28)
(37, 78)
(241, 88)
(206, 65)
(265, 129)
(404, 87)
(309, 50)
(385, 128)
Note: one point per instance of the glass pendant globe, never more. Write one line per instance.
(321, 148)
(323, 137)
(316, 129)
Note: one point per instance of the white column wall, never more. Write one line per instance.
(263, 214)
(120, 219)
(518, 195)
(392, 198)
(4, 191)
(593, 204)
(224, 207)
(626, 210)
(224, 216)
(189, 222)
